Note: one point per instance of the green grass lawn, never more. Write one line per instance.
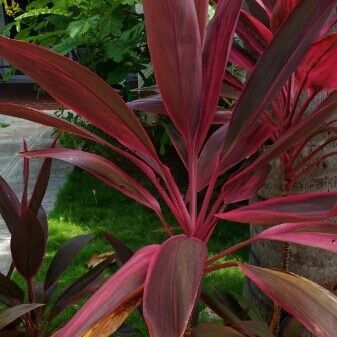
(86, 205)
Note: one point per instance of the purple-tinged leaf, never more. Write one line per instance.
(215, 330)
(202, 13)
(8, 316)
(281, 11)
(25, 173)
(153, 104)
(41, 184)
(218, 43)
(9, 205)
(172, 285)
(217, 305)
(281, 60)
(311, 304)
(111, 296)
(317, 69)
(82, 287)
(123, 252)
(209, 156)
(177, 142)
(314, 234)
(65, 256)
(28, 244)
(249, 186)
(10, 289)
(293, 208)
(259, 30)
(80, 90)
(104, 170)
(259, 9)
(242, 59)
(174, 40)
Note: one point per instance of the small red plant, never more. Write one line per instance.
(189, 61)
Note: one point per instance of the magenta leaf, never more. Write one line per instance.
(218, 43)
(300, 30)
(174, 40)
(314, 234)
(317, 68)
(312, 305)
(104, 170)
(77, 88)
(172, 285)
(294, 208)
(111, 295)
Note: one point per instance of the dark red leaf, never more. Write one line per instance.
(281, 60)
(172, 285)
(174, 40)
(80, 90)
(314, 306)
(293, 208)
(10, 315)
(215, 55)
(10, 289)
(28, 244)
(104, 170)
(64, 257)
(111, 295)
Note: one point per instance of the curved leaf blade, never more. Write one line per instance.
(314, 306)
(80, 90)
(314, 234)
(174, 40)
(293, 208)
(112, 296)
(65, 256)
(214, 330)
(172, 285)
(104, 170)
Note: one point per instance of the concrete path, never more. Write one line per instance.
(37, 136)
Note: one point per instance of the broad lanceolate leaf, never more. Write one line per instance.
(314, 306)
(281, 60)
(314, 234)
(215, 55)
(214, 330)
(80, 90)
(10, 289)
(294, 208)
(112, 296)
(249, 186)
(281, 11)
(317, 69)
(9, 205)
(83, 286)
(172, 285)
(64, 256)
(175, 47)
(28, 244)
(104, 170)
(10, 315)
(202, 13)
(123, 252)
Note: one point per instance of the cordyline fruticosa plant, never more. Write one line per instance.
(31, 312)
(189, 61)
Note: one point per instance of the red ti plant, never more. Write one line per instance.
(315, 77)
(189, 61)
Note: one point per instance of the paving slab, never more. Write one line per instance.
(37, 136)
